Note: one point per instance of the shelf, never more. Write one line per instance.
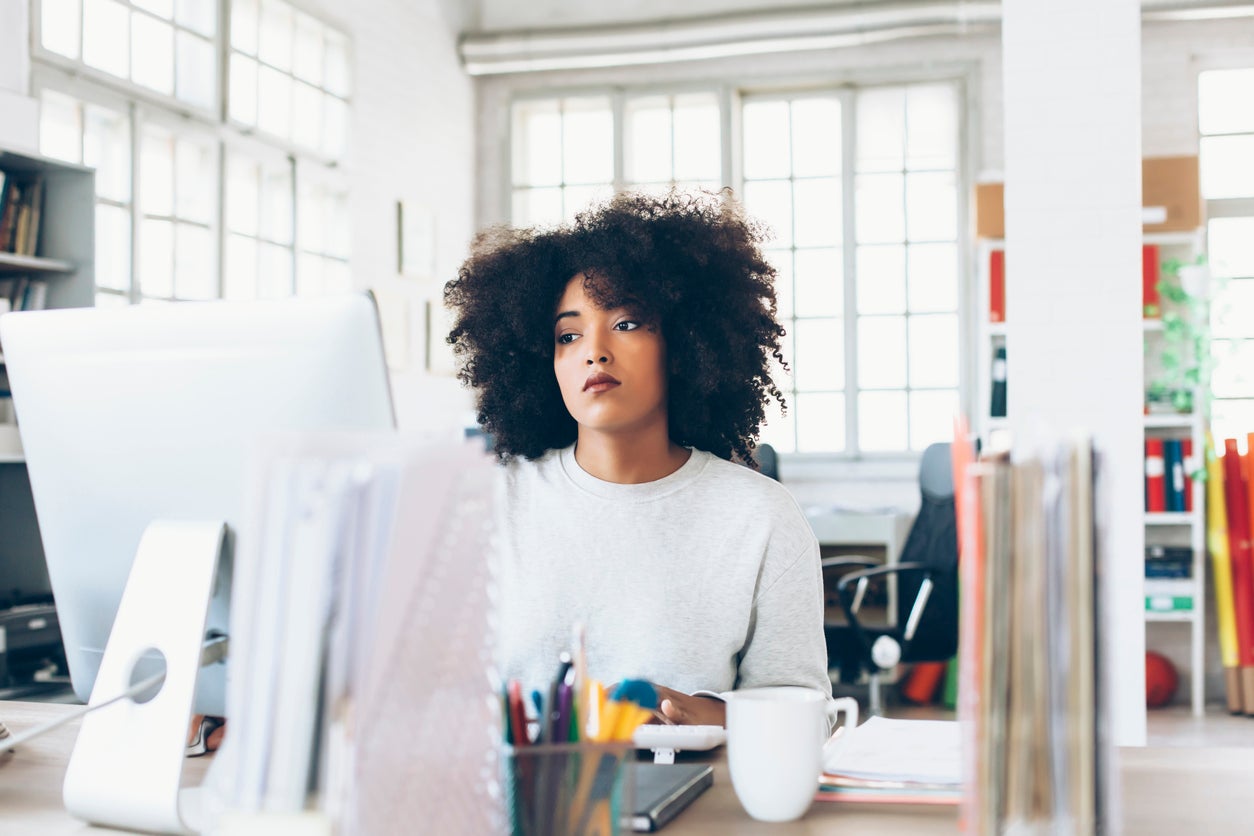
(1168, 239)
(1171, 518)
(1185, 616)
(996, 423)
(1170, 421)
(1152, 324)
(13, 263)
(997, 329)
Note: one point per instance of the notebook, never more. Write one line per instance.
(663, 790)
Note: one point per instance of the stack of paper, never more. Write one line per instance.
(360, 680)
(894, 761)
(1030, 657)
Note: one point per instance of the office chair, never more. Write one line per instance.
(926, 624)
(768, 461)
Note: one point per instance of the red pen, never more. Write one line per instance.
(518, 715)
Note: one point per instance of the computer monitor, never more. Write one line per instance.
(130, 415)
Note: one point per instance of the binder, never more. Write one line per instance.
(1155, 481)
(997, 409)
(1190, 467)
(1173, 463)
(997, 286)
(1151, 304)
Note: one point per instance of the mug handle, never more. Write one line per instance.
(849, 707)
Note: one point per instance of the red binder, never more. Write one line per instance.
(1237, 505)
(1151, 304)
(1155, 476)
(997, 286)
(1190, 465)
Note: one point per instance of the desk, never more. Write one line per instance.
(1165, 791)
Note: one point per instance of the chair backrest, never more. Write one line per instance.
(768, 461)
(933, 541)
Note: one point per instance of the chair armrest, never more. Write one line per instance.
(887, 569)
(850, 560)
(851, 602)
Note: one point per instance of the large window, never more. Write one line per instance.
(197, 182)
(1226, 122)
(861, 189)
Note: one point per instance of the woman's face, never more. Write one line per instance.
(610, 365)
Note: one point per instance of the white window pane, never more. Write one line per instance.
(933, 277)
(647, 141)
(107, 148)
(310, 217)
(587, 142)
(60, 127)
(198, 15)
(1224, 98)
(698, 146)
(339, 237)
(152, 55)
(819, 283)
(275, 45)
(931, 207)
(881, 280)
(106, 36)
(781, 260)
(816, 137)
(881, 214)
(156, 258)
(1232, 310)
(820, 423)
(307, 58)
(576, 199)
(197, 70)
(275, 279)
(1230, 245)
(1234, 372)
(770, 201)
(817, 215)
(932, 417)
(274, 102)
(1227, 170)
(161, 8)
(243, 89)
(882, 421)
(59, 22)
(241, 195)
(309, 275)
(336, 76)
(778, 430)
(934, 351)
(881, 129)
(193, 263)
(766, 135)
(537, 207)
(156, 169)
(152, 303)
(335, 126)
(336, 277)
(239, 279)
(537, 140)
(113, 247)
(307, 115)
(244, 25)
(881, 352)
(932, 127)
(1232, 419)
(276, 205)
(111, 300)
(196, 182)
(820, 357)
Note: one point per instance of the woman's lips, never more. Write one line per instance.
(600, 382)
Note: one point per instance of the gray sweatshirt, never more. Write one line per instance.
(705, 580)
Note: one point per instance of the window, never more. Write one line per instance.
(861, 189)
(1226, 123)
(122, 109)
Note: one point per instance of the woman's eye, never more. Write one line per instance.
(626, 325)
(566, 339)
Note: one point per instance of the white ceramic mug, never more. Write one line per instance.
(775, 740)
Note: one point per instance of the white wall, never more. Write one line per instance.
(19, 118)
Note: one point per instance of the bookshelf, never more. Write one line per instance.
(1177, 602)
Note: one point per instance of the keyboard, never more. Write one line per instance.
(666, 740)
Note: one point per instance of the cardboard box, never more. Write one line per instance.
(1170, 192)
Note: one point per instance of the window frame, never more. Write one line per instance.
(732, 92)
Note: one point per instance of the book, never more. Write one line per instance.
(1168, 562)
(997, 409)
(997, 286)
(1173, 464)
(1190, 467)
(1155, 476)
(1151, 303)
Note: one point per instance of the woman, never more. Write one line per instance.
(619, 363)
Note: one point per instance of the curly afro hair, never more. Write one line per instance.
(690, 263)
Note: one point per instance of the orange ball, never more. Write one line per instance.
(1161, 679)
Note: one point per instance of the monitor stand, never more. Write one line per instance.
(127, 764)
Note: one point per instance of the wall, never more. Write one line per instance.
(19, 118)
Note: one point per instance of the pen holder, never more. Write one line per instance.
(568, 789)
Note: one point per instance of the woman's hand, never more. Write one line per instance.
(687, 710)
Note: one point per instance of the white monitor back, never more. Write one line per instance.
(130, 415)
